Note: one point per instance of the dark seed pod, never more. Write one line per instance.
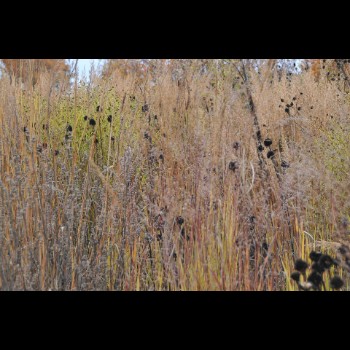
(183, 233)
(287, 110)
(252, 219)
(180, 220)
(112, 138)
(325, 261)
(109, 118)
(57, 152)
(145, 108)
(98, 109)
(317, 267)
(343, 249)
(270, 154)
(260, 148)
(314, 256)
(233, 166)
(315, 278)
(295, 276)
(92, 122)
(86, 117)
(236, 145)
(284, 164)
(336, 282)
(301, 265)
(268, 142)
(69, 128)
(265, 246)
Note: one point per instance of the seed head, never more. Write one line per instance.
(270, 154)
(284, 164)
(236, 145)
(233, 166)
(325, 261)
(92, 122)
(301, 265)
(315, 278)
(314, 256)
(180, 220)
(295, 276)
(336, 282)
(268, 142)
(317, 267)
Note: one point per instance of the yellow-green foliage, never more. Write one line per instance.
(336, 150)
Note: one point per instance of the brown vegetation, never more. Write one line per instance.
(196, 175)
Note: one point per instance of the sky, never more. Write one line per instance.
(84, 65)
